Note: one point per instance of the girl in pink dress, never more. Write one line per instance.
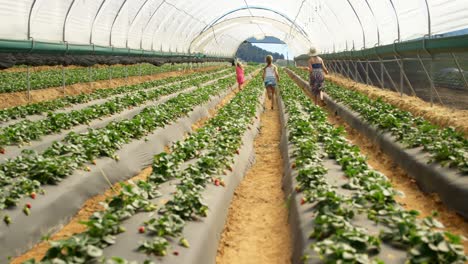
(240, 75)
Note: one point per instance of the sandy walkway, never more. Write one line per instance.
(257, 229)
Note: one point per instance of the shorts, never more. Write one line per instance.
(270, 82)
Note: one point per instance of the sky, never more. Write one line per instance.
(280, 48)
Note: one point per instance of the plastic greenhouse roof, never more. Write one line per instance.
(217, 28)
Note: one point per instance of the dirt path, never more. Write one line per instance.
(257, 229)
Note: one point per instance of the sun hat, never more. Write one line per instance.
(313, 52)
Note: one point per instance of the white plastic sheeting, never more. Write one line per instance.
(218, 27)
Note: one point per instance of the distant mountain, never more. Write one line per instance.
(267, 39)
(251, 53)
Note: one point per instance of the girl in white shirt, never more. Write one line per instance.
(270, 78)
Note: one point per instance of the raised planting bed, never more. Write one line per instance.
(97, 115)
(39, 110)
(436, 158)
(17, 81)
(341, 210)
(178, 213)
(120, 150)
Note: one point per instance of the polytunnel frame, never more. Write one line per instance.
(217, 21)
(348, 57)
(29, 45)
(201, 38)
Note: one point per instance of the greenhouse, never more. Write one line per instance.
(233, 132)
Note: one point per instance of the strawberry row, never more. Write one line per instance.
(212, 147)
(338, 233)
(17, 81)
(24, 174)
(22, 111)
(27, 130)
(446, 146)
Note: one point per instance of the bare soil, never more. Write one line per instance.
(437, 114)
(45, 68)
(257, 229)
(93, 204)
(21, 98)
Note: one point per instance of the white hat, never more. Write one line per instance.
(313, 52)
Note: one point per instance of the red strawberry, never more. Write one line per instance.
(216, 182)
(33, 195)
(141, 229)
(176, 253)
(28, 205)
(2, 151)
(303, 201)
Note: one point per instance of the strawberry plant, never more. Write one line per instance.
(17, 81)
(62, 158)
(67, 101)
(213, 150)
(335, 236)
(28, 130)
(445, 145)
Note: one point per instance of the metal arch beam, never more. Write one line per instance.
(429, 26)
(113, 22)
(214, 22)
(376, 22)
(94, 21)
(65, 20)
(360, 23)
(29, 18)
(155, 30)
(337, 19)
(300, 29)
(397, 20)
(295, 18)
(147, 24)
(203, 41)
(133, 21)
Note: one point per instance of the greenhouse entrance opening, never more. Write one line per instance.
(255, 49)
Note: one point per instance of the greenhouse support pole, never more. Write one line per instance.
(28, 83)
(460, 70)
(367, 72)
(395, 87)
(381, 73)
(406, 77)
(358, 74)
(428, 75)
(375, 73)
(63, 79)
(400, 63)
(343, 69)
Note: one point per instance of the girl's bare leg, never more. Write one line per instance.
(272, 97)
